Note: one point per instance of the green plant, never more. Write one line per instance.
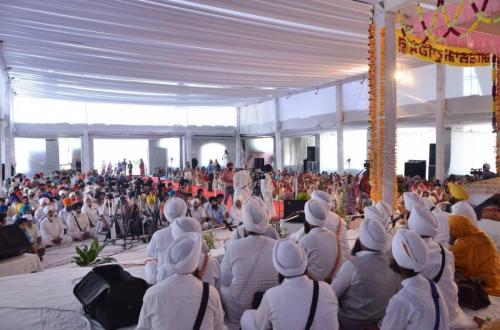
(302, 196)
(88, 255)
(209, 238)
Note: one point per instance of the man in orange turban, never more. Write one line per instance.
(475, 253)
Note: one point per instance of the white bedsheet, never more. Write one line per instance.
(25, 263)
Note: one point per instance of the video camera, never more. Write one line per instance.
(476, 171)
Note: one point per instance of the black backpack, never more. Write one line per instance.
(13, 242)
(111, 296)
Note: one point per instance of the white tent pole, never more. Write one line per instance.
(440, 120)
(387, 19)
(340, 129)
(278, 155)
(238, 139)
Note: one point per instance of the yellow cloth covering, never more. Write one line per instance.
(475, 253)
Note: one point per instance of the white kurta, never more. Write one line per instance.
(320, 247)
(287, 307)
(412, 308)
(447, 283)
(242, 183)
(92, 213)
(198, 213)
(266, 186)
(160, 241)
(332, 223)
(443, 234)
(247, 267)
(235, 216)
(76, 231)
(51, 230)
(211, 275)
(174, 304)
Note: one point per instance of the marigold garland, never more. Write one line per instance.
(451, 24)
(374, 195)
(381, 112)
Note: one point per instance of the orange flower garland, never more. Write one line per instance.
(381, 114)
(372, 113)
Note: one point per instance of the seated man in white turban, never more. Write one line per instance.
(240, 231)
(208, 267)
(288, 306)
(236, 214)
(334, 222)
(440, 265)
(319, 244)
(39, 214)
(198, 212)
(52, 230)
(443, 226)
(161, 239)
(175, 302)
(247, 266)
(365, 284)
(419, 304)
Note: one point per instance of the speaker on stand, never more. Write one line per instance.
(432, 161)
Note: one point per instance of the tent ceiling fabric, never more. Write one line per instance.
(203, 52)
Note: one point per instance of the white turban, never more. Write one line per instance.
(48, 208)
(185, 225)
(373, 213)
(423, 222)
(384, 208)
(183, 255)
(289, 259)
(71, 195)
(411, 199)
(28, 216)
(322, 197)
(373, 235)
(175, 208)
(463, 208)
(255, 216)
(194, 201)
(61, 192)
(409, 250)
(315, 213)
(43, 200)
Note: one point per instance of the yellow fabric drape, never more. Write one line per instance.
(475, 253)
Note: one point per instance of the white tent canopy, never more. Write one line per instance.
(178, 52)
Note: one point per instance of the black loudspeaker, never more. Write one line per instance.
(432, 154)
(415, 167)
(111, 296)
(294, 207)
(311, 153)
(432, 172)
(13, 242)
(258, 163)
(194, 162)
(311, 166)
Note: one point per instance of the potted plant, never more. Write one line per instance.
(88, 256)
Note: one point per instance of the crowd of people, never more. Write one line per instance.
(401, 273)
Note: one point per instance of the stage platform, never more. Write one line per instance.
(45, 300)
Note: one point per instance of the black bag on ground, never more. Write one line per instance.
(471, 292)
(111, 296)
(13, 242)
